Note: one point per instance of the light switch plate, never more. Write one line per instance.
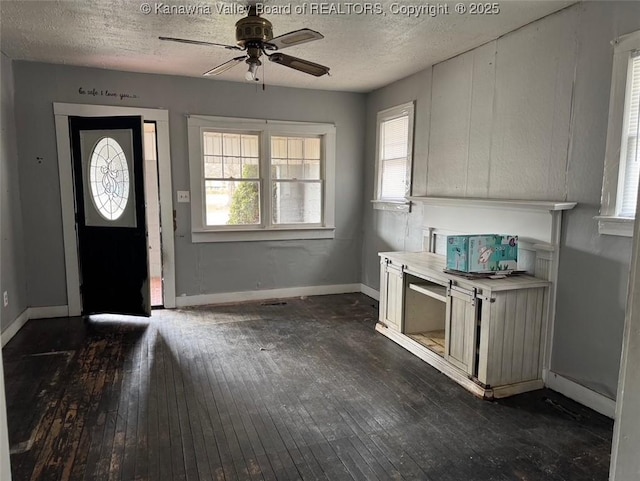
(183, 196)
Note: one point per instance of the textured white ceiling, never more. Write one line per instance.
(364, 51)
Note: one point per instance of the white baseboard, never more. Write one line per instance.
(227, 297)
(370, 291)
(48, 312)
(581, 394)
(14, 327)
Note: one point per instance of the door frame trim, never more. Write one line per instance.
(62, 112)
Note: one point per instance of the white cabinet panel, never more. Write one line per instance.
(510, 338)
(460, 333)
(391, 295)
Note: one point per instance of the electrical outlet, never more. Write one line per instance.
(5, 297)
(183, 196)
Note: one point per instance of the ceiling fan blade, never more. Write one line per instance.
(198, 42)
(295, 38)
(223, 67)
(299, 64)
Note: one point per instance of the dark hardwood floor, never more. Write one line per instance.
(296, 389)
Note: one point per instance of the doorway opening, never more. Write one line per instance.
(152, 200)
(63, 112)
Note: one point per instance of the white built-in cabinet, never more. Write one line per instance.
(485, 334)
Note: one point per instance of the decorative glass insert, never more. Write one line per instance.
(109, 178)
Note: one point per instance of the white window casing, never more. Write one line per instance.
(394, 157)
(321, 185)
(622, 159)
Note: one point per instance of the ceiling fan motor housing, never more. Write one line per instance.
(253, 29)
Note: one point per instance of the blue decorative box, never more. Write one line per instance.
(482, 253)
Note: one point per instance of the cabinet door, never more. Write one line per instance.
(391, 299)
(460, 335)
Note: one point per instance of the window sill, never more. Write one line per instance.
(611, 225)
(301, 233)
(392, 205)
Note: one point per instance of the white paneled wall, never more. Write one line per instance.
(461, 113)
(450, 113)
(500, 117)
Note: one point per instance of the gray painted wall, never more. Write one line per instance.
(12, 274)
(200, 268)
(594, 269)
(525, 117)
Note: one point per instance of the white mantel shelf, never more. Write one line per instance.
(534, 205)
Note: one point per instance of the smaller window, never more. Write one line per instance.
(629, 158)
(622, 158)
(394, 152)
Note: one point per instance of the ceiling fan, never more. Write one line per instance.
(254, 36)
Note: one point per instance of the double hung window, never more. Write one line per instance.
(622, 157)
(260, 180)
(394, 152)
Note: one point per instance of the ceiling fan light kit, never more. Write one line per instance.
(254, 63)
(254, 36)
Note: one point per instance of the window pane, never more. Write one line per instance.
(312, 169)
(295, 158)
(213, 166)
(250, 146)
(232, 202)
(279, 147)
(393, 179)
(297, 202)
(630, 157)
(231, 144)
(393, 137)
(294, 148)
(250, 168)
(212, 143)
(279, 169)
(232, 167)
(312, 148)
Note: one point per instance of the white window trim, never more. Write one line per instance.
(398, 205)
(608, 221)
(200, 232)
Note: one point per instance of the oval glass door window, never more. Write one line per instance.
(109, 178)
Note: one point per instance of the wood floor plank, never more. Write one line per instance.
(140, 432)
(287, 390)
(191, 448)
(152, 408)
